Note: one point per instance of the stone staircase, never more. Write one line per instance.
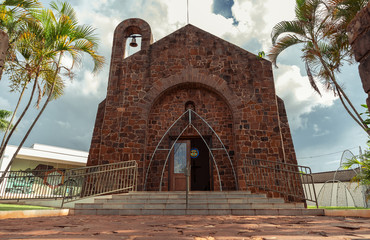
(200, 203)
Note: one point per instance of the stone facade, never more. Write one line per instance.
(359, 38)
(4, 43)
(230, 88)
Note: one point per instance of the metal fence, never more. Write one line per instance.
(281, 178)
(69, 184)
(101, 179)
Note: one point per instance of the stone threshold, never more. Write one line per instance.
(365, 213)
(34, 213)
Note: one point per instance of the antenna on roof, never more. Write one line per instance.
(187, 10)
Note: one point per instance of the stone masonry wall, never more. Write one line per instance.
(94, 153)
(359, 38)
(285, 134)
(210, 106)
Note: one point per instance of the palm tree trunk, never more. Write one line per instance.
(2, 149)
(14, 113)
(349, 112)
(33, 123)
(357, 119)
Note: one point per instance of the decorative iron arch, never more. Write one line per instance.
(339, 184)
(190, 124)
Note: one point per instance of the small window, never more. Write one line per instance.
(189, 105)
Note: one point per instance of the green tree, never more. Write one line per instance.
(345, 11)
(363, 176)
(53, 35)
(325, 46)
(14, 16)
(4, 114)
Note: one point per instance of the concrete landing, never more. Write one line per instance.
(200, 203)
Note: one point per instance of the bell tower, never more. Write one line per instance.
(127, 28)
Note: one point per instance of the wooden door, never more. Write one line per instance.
(180, 160)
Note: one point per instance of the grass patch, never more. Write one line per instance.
(16, 207)
(336, 208)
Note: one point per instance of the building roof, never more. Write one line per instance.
(339, 175)
(45, 153)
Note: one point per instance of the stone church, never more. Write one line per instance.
(189, 105)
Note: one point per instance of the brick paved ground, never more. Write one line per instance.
(185, 227)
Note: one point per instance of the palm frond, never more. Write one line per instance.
(298, 10)
(311, 79)
(64, 9)
(291, 27)
(4, 114)
(25, 4)
(282, 44)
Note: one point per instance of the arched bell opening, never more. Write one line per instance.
(123, 36)
(133, 44)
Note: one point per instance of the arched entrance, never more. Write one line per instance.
(190, 158)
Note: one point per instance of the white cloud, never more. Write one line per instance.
(90, 84)
(257, 18)
(103, 24)
(318, 132)
(298, 95)
(4, 104)
(64, 124)
(201, 15)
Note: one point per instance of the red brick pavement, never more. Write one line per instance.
(185, 227)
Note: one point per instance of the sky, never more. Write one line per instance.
(320, 127)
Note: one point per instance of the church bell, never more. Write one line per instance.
(133, 42)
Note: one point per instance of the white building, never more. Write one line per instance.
(334, 188)
(44, 157)
(39, 171)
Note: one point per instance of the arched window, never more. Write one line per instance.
(189, 105)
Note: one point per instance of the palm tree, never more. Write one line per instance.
(324, 48)
(54, 35)
(3, 122)
(27, 68)
(363, 176)
(346, 10)
(14, 15)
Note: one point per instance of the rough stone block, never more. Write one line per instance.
(361, 46)
(359, 24)
(364, 69)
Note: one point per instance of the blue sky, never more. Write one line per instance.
(320, 127)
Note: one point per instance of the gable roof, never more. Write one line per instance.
(191, 28)
(340, 175)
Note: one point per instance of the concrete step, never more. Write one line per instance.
(183, 196)
(192, 200)
(244, 212)
(199, 206)
(173, 203)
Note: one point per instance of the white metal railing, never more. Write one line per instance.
(281, 178)
(69, 184)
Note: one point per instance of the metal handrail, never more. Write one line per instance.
(70, 184)
(284, 179)
(100, 179)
